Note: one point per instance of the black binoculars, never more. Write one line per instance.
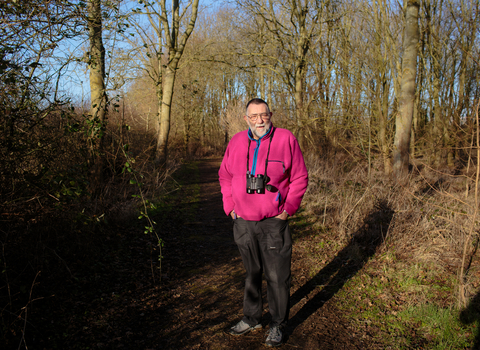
(256, 183)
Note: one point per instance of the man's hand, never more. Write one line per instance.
(234, 215)
(282, 216)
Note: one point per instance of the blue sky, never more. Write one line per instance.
(74, 81)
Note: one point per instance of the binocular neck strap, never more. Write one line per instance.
(268, 153)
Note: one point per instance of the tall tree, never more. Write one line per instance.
(403, 122)
(98, 108)
(175, 46)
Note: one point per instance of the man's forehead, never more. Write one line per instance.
(258, 107)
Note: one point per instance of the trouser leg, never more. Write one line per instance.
(276, 246)
(250, 253)
(265, 246)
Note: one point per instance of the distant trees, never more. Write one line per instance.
(281, 35)
(333, 72)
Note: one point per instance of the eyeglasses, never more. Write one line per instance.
(254, 117)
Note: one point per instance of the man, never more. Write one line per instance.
(263, 178)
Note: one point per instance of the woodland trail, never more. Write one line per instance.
(116, 304)
(205, 298)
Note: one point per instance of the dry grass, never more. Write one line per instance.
(431, 213)
(232, 118)
(408, 242)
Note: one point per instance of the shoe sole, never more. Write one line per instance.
(273, 345)
(246, 331)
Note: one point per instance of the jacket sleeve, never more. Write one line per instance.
(298, 179)
(225, 178)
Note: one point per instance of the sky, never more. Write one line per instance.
(74, 81)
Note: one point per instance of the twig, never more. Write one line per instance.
(325, 210)
(54, 252)
(22, 340)
(356, 204)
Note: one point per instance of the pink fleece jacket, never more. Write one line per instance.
(286, 170)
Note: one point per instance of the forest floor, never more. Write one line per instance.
(118, 302)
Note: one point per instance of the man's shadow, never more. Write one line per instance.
(363, 245)
(471, 314)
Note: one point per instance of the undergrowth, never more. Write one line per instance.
(183, 190)
(403, 286)
(65, 256)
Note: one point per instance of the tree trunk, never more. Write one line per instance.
(158, 81)
(96, 65)
(162, 140)
(175, 47)
(414, 127)
(403, 122)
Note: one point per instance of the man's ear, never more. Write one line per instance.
(245, 118)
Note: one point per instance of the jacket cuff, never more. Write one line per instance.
(289, 209)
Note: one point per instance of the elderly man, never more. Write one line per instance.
(263, 178)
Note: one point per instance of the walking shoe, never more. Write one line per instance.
(275, 337)
(242, 328)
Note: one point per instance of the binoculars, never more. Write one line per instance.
(257, 183)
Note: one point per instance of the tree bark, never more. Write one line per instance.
(403, 122)
(96, 66)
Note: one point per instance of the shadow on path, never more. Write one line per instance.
(471, 314)
(348, 262)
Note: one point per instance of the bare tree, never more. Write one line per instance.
(145, 54)
(175, 46)
(384, 50)
(407, 95)
(96, 66)
(172, 27)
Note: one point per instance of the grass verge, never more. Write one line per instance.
(400, 302)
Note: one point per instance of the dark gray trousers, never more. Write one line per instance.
(265, 247)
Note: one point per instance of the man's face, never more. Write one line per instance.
(260, 126)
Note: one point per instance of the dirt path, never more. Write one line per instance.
(206, 296)
(114, 303)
